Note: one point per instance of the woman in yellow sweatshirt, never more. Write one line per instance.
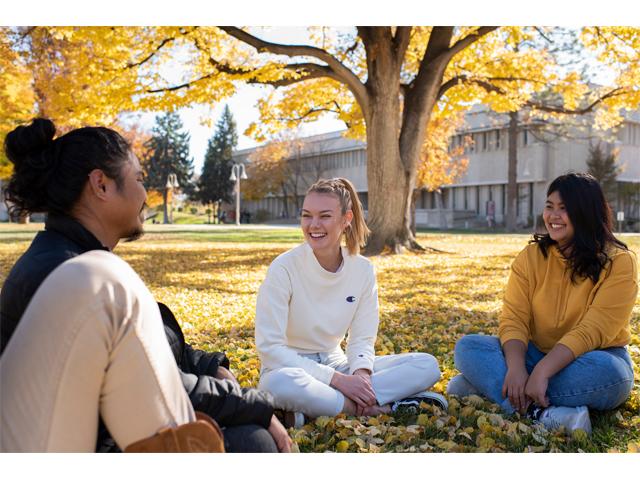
(564, 326)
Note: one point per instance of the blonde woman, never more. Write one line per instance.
(314, 295)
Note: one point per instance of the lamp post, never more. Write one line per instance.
(172, 183)
(237, 173)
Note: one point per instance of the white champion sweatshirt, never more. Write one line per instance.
(303, 308)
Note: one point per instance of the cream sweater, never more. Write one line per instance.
(303, 308)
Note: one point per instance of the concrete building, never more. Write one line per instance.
(481, 191)
(319, 156)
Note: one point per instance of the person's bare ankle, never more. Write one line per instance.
(376, 410)
(349, 407)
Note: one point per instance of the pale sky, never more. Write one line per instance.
(243, 106)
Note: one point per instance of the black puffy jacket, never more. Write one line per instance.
(65, 238)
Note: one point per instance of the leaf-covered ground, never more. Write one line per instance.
(427, 301)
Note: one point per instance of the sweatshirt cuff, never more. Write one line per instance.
(360, 362)
(575, 344)
(514, 335)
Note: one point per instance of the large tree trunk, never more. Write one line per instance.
(512, 173)
(389, 184)
(395, 134)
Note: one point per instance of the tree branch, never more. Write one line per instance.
(459, 79)
(401, 40)
(469, 39)
(311, 111)
(158, 48)
(543, 35)
(152, 54)
(182, 85)
(307, 71)
(616, 92)
(438, 43)
(489, 87)
(342, 73)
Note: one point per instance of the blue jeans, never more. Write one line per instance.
(599, 379)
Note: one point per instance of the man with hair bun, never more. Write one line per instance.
(77, 323)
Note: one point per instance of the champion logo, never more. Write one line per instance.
(351, 299)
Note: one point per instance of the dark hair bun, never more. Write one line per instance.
(29, 141)
(49, 175)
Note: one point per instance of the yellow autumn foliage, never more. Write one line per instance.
(89, 75)
(427, 302)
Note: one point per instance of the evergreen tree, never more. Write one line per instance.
(603, 167)
(170, 154)
(214, 184)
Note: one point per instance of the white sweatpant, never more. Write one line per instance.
(394, 377)
(90, 342)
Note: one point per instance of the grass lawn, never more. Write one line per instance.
(209, 276)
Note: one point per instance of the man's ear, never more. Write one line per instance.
(98, 183)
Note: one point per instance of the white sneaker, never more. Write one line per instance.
(412, 403)
(571, 418)
(461, 387)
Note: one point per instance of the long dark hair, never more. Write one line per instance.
(592, 222)
(49, 175)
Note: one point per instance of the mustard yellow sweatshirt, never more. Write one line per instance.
(542, 305)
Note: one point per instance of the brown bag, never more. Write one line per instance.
(202, 436)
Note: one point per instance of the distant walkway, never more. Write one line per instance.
(163, 227)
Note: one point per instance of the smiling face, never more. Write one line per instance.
(323, 222)
(129, 200)
(556, 219)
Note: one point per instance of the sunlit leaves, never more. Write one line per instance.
(427, 303)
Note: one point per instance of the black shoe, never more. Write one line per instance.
(412, 404)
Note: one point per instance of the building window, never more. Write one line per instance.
(466, 200)
(525, 137)
(478, 199)
(485, 145)
(497, 139)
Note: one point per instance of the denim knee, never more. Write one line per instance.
(468, 347)
(598, 379)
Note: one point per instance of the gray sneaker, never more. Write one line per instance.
(571, 418)
(460, 386)
(412, 404)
